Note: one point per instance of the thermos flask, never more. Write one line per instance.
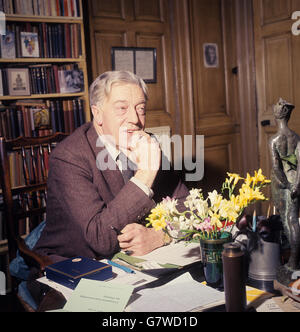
(234, 277)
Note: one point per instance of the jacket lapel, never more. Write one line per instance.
(106, 165)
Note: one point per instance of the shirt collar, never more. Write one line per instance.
(112, 150)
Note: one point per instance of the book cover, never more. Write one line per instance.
(30, 44)
(8, 48)
(41, 117)
(69, 272)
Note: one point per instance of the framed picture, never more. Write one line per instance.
(71, 81)
(139, 60)
(211, 55)
(18, 81)
(30, 44)
(8, 48)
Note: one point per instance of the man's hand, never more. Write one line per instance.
(145, 152)
(139, 239)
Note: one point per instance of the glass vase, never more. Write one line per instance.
(211, 256)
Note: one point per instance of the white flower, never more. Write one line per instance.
(169, 205)
(215, 200)
(202, 208)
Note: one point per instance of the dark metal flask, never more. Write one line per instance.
(234, 277)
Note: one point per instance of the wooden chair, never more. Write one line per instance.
(23, 178)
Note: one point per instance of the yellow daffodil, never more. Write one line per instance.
(259, 178)
(215, 219)
(233, 177)
(157, 218)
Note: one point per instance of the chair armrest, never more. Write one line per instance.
(32, 258)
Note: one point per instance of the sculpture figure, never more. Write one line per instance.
(285, 156)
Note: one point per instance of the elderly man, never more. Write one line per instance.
(90, 187)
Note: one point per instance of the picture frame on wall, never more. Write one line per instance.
(18, 81)
(139, 60)
(211, 55)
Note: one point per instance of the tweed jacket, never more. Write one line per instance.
(83, 201)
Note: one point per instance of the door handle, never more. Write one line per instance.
(265, 123)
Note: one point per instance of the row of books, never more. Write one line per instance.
(41, 118)
(70, 8)
(35, 174)
(41, 40)
(41, 79)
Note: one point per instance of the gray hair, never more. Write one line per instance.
(101, 87)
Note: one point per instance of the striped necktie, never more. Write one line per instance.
(128, 167)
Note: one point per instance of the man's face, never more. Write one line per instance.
(123, 113)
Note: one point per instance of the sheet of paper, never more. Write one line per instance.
(180, 253)
(99, 296)
(269, 306)
(179, 295)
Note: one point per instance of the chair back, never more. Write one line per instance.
(23, 178)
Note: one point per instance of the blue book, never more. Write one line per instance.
(69, 272)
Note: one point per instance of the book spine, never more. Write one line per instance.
(81, 112)
(66, 117)
(53, 117)
(60, 116)
(71, 115)
(9, 125)
(20, 122)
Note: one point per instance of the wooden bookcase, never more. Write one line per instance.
(20, 18)
(26, 62)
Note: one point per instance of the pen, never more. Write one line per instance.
(124, 268)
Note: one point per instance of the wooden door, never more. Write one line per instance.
(217, 115)
(277, 68)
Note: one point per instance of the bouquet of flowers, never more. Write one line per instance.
(210, 217)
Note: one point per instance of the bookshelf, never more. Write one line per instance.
(58, 29)
(37, 16)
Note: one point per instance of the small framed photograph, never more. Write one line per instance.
(8, 48)
(18, 81)
(30, 44)
(211, 55)
(71, 81)
(139, 60)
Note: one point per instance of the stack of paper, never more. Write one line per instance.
(180, 295)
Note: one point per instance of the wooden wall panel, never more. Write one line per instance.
(208, 29)
(108, 8)
(103, 42)
(275, 10)
(279, 75)
(149, 10)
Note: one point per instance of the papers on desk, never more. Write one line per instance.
(99, 296)
(180, 295)
(136, 280)
(174, 256)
